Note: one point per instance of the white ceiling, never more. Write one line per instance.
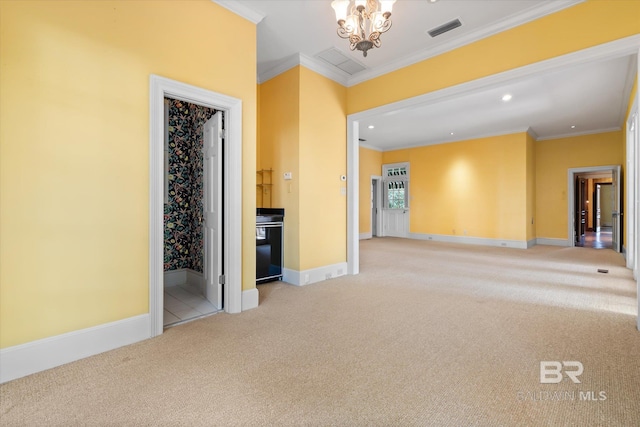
(591, 96)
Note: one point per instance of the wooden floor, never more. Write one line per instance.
(597, 240)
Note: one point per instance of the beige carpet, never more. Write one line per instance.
(428, 334)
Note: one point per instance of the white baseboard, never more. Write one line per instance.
(175, 277)
(250, 299)
(364, 236)
(314, 275)
(196, 279)
(184, 276)
(26, 359)
(551, 242)
(505, 243)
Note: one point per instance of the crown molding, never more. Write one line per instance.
(313, 64)
(284, 65)
(240, 9)
(328, 71)
(532, 133)
(574, 134)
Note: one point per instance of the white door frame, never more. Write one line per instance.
(631, 173)
(213, 140)
(571, 191)
(160, 88)
(378, 206)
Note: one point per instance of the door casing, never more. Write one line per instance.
(572, 174)
(161, 87)
(376, 205)
(212, 207)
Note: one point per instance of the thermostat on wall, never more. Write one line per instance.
(287, 175)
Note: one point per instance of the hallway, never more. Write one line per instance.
(597, 239)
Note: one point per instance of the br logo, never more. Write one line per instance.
(551, 371)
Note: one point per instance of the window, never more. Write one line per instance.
(396, 185)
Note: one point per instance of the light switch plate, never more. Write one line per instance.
(287, 175)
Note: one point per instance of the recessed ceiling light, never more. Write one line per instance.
(507, 97)
(451, 133)
(371, 126)
(573, 126)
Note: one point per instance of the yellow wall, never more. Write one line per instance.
(553, 159)
(585, 25)
(74, 175)
(323, 159)
(302, 131)
(370, 164)
(279, 149)
(478, 186)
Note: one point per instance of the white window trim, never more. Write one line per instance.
(404, 178)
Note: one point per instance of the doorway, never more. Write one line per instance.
(594, 208)
(192, 237)
(231, 194)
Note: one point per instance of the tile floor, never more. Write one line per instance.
(184, 302)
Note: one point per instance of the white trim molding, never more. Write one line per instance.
(365, 236)
(572, 173)
(36, 356)
(184, 276)
(250, 299)
(241, 10)
(175, 277)
(467, 240)
(314, 275)
(552, 241)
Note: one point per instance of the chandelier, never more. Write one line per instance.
(363, 21)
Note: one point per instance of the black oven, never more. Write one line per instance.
(269, 244)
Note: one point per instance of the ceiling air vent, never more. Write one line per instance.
(444, 28)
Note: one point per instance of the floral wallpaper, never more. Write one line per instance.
(183, 244)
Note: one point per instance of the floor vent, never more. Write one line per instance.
(445, 27)
(339, 60)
